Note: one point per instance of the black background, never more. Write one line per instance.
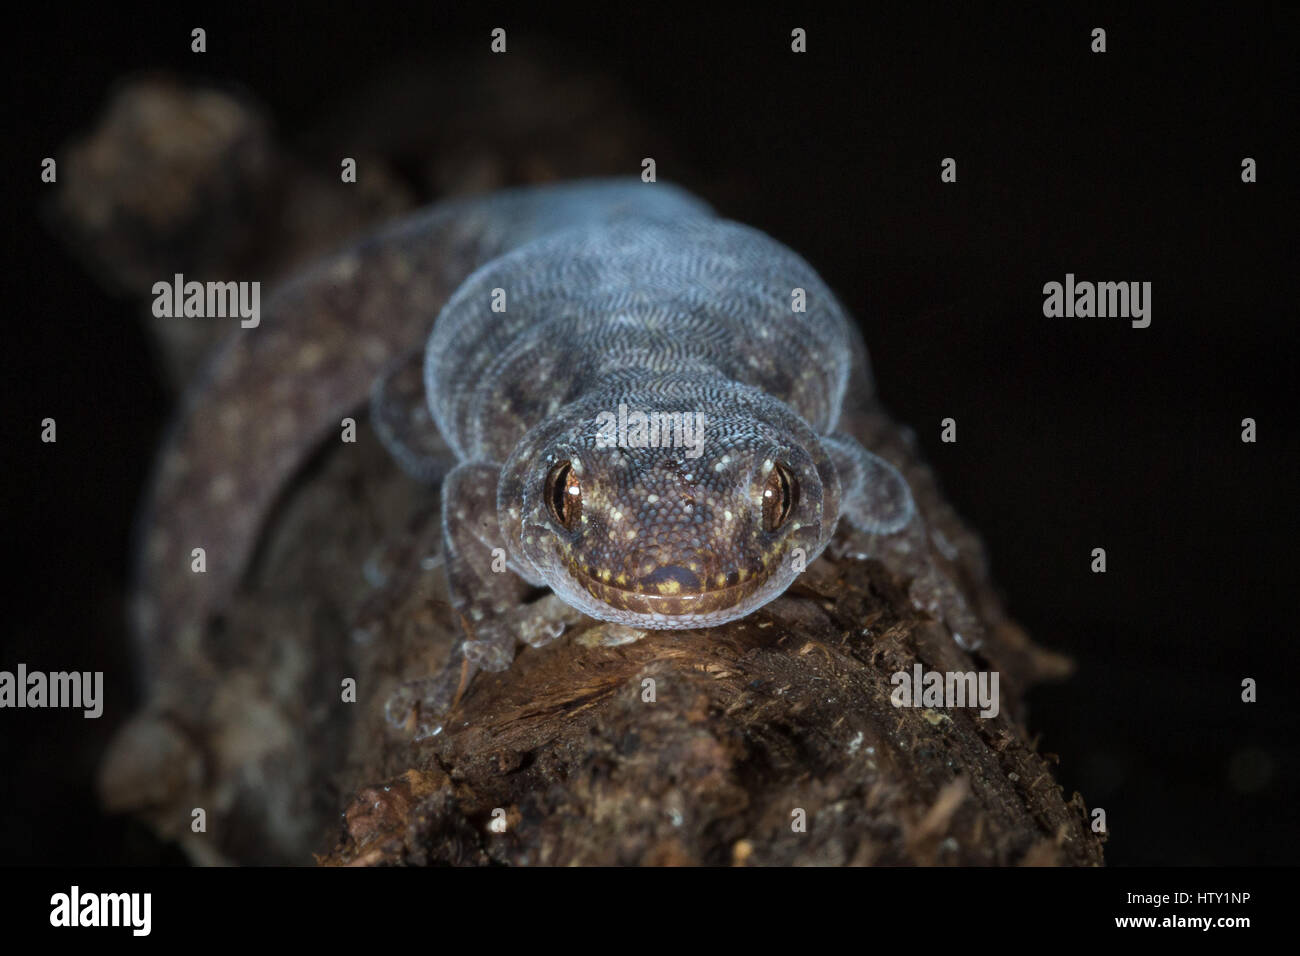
(1073, 433)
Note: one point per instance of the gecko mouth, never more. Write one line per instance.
(669, 596)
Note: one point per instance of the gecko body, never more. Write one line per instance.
(691, 320)
(546, 314)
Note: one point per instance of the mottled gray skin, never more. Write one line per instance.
(616, 293)
(694, 316)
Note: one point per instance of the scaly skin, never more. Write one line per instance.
(534, 357)
(571, 303)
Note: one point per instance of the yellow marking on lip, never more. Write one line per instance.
(669, 598)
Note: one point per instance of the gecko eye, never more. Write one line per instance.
(564, 495)
(780, 494)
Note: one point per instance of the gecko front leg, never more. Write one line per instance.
(487, 593)
(874, 497)
(482, 585)
(876, 500)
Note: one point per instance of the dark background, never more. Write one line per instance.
(1073, 433)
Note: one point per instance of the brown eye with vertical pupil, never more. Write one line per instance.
(780, 495)
(564, 495)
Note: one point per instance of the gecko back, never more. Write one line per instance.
(573, 312)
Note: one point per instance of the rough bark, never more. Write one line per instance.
(789, 709)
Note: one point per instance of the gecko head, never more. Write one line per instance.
(676, 534)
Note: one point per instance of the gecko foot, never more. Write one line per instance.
(421, 707)
(932, 589)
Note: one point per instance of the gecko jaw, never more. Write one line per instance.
(683, 609)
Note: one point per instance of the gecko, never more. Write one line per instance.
(517, 335)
